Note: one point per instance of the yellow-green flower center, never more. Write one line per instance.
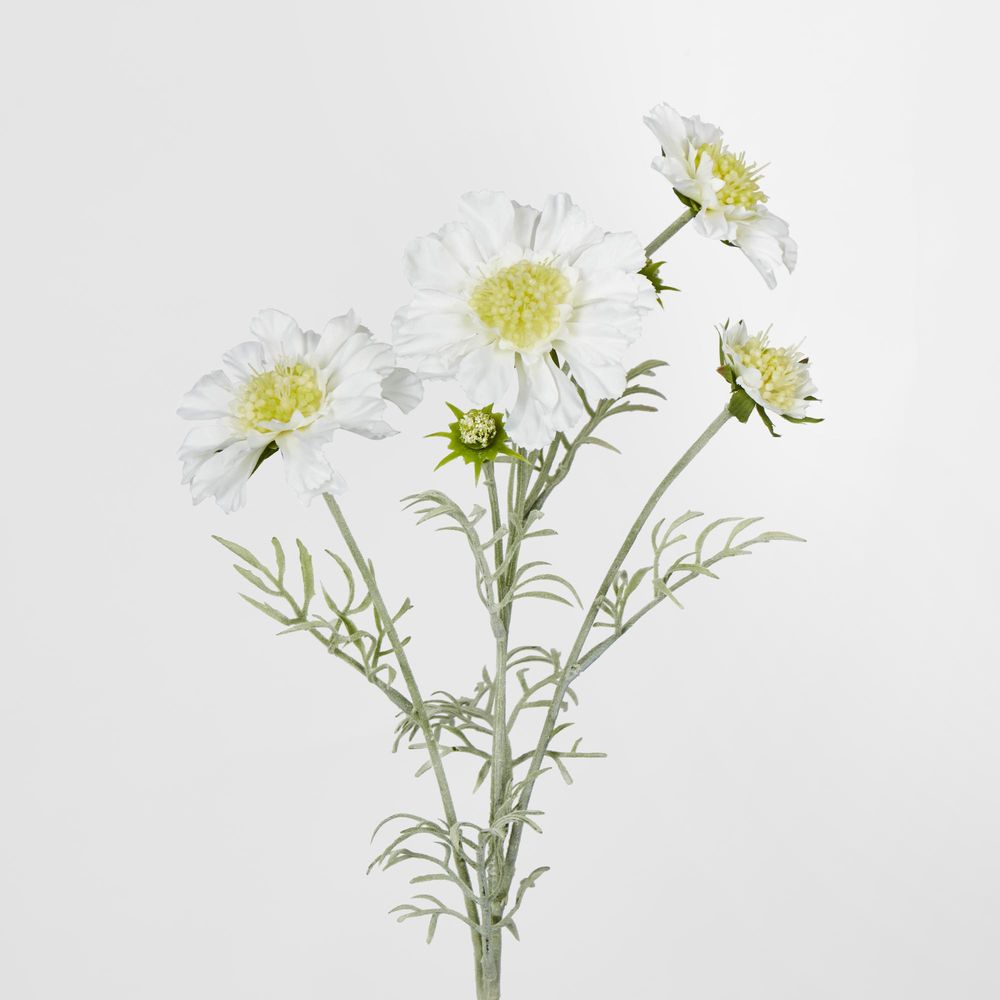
(740, 179)
(780, 374)
(477, 428)
(277, 394)
(522, 302)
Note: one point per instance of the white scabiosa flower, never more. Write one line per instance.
(722, 188)
(288, 391)
(773, 378)
(501, 290)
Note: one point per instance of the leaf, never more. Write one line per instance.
(256, 581)
(601, 443)
(245, 554)
(308, 581)
(267, 610)
(279, 558)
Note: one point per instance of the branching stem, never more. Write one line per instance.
(419, 709)
(572, 667)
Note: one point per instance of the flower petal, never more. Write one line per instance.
(307, 470)
(490, 218)
(547, 403)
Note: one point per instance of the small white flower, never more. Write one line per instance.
(724, 186)
(288, 390)
(776, 378)
(499, 291)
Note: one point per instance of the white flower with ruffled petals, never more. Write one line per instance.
(289, 390)
(776, 378)
(501, 290)
(724, 187)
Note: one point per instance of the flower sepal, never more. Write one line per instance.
(476, 436)
(651, 272)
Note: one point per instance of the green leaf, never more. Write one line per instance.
(279, 558)
(245, 554)
(308, 581)
(255, 580)
(268, 610)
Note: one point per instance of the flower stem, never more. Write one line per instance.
(675, 227)
(571, 668)
(419, 710)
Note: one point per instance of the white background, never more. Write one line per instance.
(801, 797)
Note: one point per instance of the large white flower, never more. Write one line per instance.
(288, 390)
(776, 378)
(725, 188)
(498, 292)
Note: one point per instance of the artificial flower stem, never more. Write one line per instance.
(675, 227)
(419, 712)
(571, 669)
(500, 750)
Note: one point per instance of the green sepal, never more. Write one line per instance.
(802, 420)
(476, 457)
(651, 272)
(741, 405)
(687, 202)
(767, 421)
(269, 450)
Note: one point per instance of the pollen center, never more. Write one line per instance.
(780, 374)
(277, 394)
(522, 301)
(477, 429)
(740, 179)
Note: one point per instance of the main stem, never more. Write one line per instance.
(499, 755)
(419, 712)
(675, 227)
(571, 668)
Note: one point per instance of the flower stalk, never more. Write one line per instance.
(672, 230)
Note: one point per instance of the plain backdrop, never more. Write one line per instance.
(801, 793)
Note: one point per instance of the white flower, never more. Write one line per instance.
(724, 186)
(288, 390)
(499, 291)
(776, 378)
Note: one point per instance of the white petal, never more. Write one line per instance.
(712, 222)
(621, 251)
(210, 397)
(307, 470)
(563, 227)
(767, 243)
(224, 475)
(487, 375)
(429, 264)
(525, 224)
(403, 388)
(490, 217)
(279, 334)
(246, 360)
(547, 403)
(670, 130)
(203, 441)
(433, 332)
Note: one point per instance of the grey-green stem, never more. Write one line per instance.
(572, 667)
(675, 227)
(419, 711)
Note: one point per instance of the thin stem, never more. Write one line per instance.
(500, 751)
(571, 668)
(675, 227)
(419, 708)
